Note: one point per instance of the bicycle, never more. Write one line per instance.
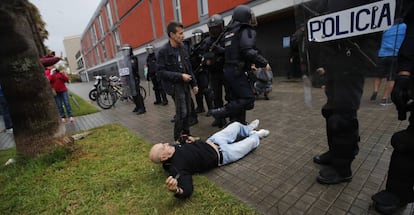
(109, 95)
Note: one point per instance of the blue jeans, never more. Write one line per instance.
(62, 98)
(5, 111)
(233, 151)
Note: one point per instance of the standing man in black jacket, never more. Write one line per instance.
(177, 77)
(194, 156)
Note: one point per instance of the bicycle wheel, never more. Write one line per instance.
(106, 99)
(143, 92)
(92, 94)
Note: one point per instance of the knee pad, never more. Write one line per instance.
(342, 124)
(402, 141)
(249, 106)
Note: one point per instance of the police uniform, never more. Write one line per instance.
(160, 95)
(240, 53)
(400, 181)
(345, 61)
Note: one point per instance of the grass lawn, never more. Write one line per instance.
(108, 173)
(84, 106)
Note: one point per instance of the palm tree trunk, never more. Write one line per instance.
(36, 123)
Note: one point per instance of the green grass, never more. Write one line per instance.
(108, 173)
(84, 107)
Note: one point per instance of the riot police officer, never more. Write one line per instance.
(201, 74)
(210, 60)
(240, 53)
(400, 181)
(345, 62)
(135, 80)
(160, 95)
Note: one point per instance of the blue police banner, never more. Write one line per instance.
(364, 19)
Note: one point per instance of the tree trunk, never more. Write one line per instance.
(36, 123)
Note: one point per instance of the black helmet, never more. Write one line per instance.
(197, 36)
(245, 15)
(215, 25)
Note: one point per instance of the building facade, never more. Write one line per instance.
(140, 22)
(72, 46)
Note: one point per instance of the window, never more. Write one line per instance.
(98, 56)
(117, 42)
(177, 11)
(94, 36)
(103, 50)
(203, 5)
(101, 28)
(109, 14)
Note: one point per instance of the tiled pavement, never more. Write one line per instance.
(279, 177)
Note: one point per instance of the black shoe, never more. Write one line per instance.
(141, 111)
(135, 110)
(197, 110)
(157, 102)
(324, 158)
(192, 121)
(387, 203)
(331, 176)
(164, 103)
(219, 112)
(266, 97)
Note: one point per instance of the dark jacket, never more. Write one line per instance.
(190, 158)
(171, 69)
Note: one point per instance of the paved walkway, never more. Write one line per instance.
(279, 177)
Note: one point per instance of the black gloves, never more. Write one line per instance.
(400, 95)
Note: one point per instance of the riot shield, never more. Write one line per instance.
(126, 74)
(342, 42)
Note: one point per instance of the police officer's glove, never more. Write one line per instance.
(400, 95)
(218, 49)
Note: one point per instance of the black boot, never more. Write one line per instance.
(324, 158)
(220, 112)
(387, 203)
(329, 175)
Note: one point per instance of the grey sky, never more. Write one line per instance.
(65, 18)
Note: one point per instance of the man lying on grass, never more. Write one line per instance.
(194, 156)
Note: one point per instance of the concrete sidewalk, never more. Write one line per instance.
(279, 177)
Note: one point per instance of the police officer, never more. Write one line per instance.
(201, 74)
(239, 40)
(136, 95)
(160, 95)
(345, 61)
(400, 181)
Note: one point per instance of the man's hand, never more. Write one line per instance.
(195, 90)
(171, 184)
(399, 94)
(186, 77)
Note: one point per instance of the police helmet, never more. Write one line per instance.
(215, 25)
(197, 36)
(245, 15)
(150, 49)
(127, 49)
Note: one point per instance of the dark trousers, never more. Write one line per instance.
(400, 179)
(5, 112)
(160, 95)
(342, 132)
(182, 101)
(217, 84)
(240, 95)
(203, 91)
